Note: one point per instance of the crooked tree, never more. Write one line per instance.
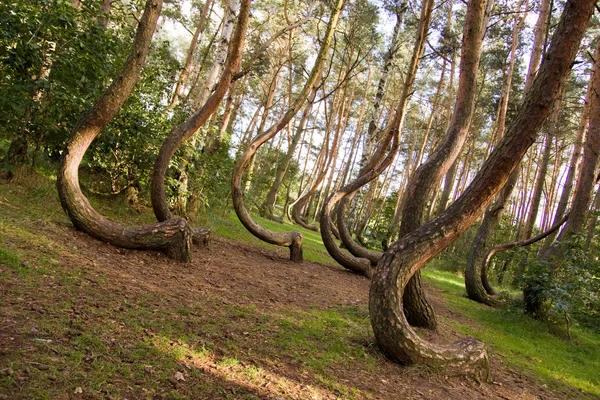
(404, 258)
(231, 57)
(173, 236)
(292, 240)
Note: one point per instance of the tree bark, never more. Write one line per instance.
(404, 258)
(174, 236)
(427, 176)
(184, 131)
(293, 240)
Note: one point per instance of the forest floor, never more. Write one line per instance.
(81, 319)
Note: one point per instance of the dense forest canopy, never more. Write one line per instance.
(362, 119)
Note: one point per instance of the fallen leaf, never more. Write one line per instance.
(179, 376)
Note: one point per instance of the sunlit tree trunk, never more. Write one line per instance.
(174, 236)
(393, 334)
(187, 129)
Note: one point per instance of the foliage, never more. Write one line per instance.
(54, 61)
(569, 286)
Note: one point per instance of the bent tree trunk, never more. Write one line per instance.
(282, 167)
(405, 257)
(174, 236)
(293, 240)
(368, 173)
(422, 184)
(375, 166)
(478, 286)
(184, 131)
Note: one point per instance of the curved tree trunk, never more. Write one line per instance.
(428, 175)
(368, 173)
(293, 240)
(321, 170)
(375, 166)
(184, 131)
(174, 236)
(404, 258)
(478, 286)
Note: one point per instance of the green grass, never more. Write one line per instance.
(526, 343)
(148, 339)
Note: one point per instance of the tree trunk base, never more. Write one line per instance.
(296, 254)
(201, 236)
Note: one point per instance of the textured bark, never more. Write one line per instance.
(293, 240)
(427, 176)
(174, 236)
(404, 258)
(184, 131)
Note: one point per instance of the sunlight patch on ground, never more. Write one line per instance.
(439, 278)
(257, 379)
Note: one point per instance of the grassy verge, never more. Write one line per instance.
(525, 343)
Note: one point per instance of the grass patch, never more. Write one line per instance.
(524, 342)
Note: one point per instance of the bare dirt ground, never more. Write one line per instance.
(97, 322)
